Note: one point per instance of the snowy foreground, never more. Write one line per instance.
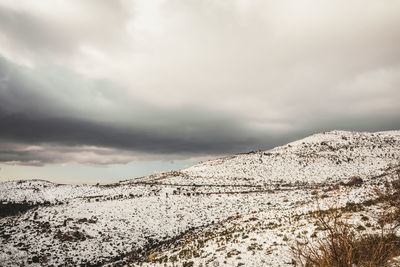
(245, 209)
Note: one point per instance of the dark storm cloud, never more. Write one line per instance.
(207, 137)
(102, 82)
(32, 115)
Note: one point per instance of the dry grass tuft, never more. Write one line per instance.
(344, 246)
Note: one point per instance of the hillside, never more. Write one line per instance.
(242, 209)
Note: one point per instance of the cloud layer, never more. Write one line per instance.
(100, 82)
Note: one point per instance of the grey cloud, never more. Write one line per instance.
(28, 33)
(189, 78)
(29, 113)
(29, 36)
(208, 137)
(19, 154)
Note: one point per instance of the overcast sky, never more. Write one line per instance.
(144, 86)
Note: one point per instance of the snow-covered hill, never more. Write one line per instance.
(237, 209)
(321, 158)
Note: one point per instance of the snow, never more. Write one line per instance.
(237, 209)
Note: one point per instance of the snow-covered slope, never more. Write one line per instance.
(320, 158)
(150, 218)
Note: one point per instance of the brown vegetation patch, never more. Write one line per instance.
(71, 236)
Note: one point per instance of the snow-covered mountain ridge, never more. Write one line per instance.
(145, 219)
(314, 159)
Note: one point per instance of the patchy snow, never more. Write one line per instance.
(321, 158)
(239, 209)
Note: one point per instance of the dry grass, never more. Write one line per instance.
(344, 246)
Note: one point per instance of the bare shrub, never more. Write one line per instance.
(343, 246)
(355, 181)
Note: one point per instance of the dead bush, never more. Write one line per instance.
(355, 181)
(344, 246)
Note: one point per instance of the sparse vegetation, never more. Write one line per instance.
(345, 244)
(243, 209)
(355, 181)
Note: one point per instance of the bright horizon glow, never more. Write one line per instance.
(81, 174)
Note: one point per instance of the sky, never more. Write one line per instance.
(99, 91)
